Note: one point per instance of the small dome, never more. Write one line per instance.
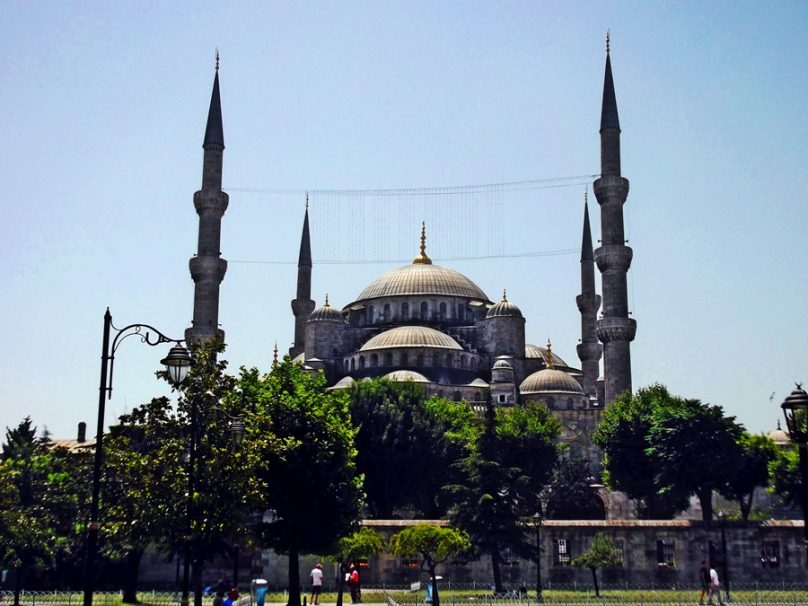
(778, 436)
(400, 376)
(500, 363)
(343, 383)
(411, 336)
(534, 351)
(548, 380)
(478, 382)
(326, 313)
(504, 309)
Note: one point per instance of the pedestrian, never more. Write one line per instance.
(353, 584)
(231, 598)
(704, 580)
(316, 583)
(715, 587)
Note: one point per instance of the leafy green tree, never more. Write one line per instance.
(362, 543)
(400, 433)
(786, 480)
(302, 438)
(694, 445)
(750, 470)
(511, 460)
(570, 495)
(629, 465)
(435, 545)
(601, 554)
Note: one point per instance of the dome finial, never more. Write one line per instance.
(326, 300)
(504, 295)
(422, 257)
(549, 361)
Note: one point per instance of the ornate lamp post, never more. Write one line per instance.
(178, 362)
(795, 410)
(537, 519)
(722, 519)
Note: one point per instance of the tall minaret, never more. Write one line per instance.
(302, 304)
(615, 329)
(589, 350)
(207, 266)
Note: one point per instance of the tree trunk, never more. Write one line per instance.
(595, 580)
(706, 501)
(340, 583)
(435, 597)
(294, 577)
(196, 581)
(131, 568)
(495, 569)
(18, 586)
(746, 505)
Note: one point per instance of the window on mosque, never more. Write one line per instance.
(420, 360)
(374, 361)
(435, 360)
(770, 554)
(442, 314)
(361, 362)
(405, 359)
(386, 312)
(424, 310)
(502, 398)
(666, 551)
(561, 552)
(353, 364)
(405, 311)
(449, 360)
(388, 359)
(370, 314)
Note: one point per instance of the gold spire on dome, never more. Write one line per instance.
(504, 295)
(275, 356)
(421, 258)
(549, 361)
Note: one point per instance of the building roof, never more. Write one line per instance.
(326, 313)
(411, 336)
(504, 309)
(534, 351)
(550, 380)
(401, 376)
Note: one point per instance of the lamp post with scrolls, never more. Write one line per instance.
(795, 410)
(178, 362)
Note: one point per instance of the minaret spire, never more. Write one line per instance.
(207, 267)
(589, 350)
(302, 304)
(615, 329)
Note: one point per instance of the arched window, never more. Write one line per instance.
(374, 361)
(405, 311)
(404, 359)
(353, 364)
(386, 312)
(361, 362)
(448, 360)
(435, 360)
(442, 312)
(460, 312)
(424, 310)
(462, 361)
(420, 361)
(370, 314)
(388, 359)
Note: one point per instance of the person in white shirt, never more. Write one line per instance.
(316, 583)
(715, 588)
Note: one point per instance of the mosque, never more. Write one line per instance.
(434, 326)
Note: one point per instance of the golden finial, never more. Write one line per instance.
(608, 40)
(549, 361)
(326, 301)
(217, 59)
(504, 295)
(422, 258)
(275, 356)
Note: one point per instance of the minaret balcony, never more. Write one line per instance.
(588, 302)
(611, 257)
(616, 329)
(207, 269)
(611, 189)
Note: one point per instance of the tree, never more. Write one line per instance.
(750, 471)
(786, 480)
(401, 432)
(601, 554)
(624, 436)
(694, 445)
(570, 495)
(511, 459)
(363, 543)
(303, 441)
(435, 544)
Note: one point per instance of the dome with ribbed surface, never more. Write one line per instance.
(326, 313)
(343, 383)
(504, 309)
(411, 336)
(550, 380)
(399, 376)
(422, 279)
(534, 351)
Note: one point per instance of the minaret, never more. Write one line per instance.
(302, 304)
(615, 329)
(207, 267)
(589, 350)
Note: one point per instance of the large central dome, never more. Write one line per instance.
(422, 278)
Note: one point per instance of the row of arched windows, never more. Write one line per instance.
(404, 358)
(423, 311)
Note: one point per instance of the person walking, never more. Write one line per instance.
(353, 584)
(704, 580)
(316, 583)
(715, 587)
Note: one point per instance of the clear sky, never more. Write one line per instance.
(103, 112)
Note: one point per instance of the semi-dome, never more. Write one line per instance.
(343, 383)
(326, 313)
(422, 278)
(504, 309)
(534, 351)
(400, 376)
(548, 380)
(411, 336)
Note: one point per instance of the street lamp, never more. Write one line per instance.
(722, 519)
(178, 362)
(537, 519)
(795, 410)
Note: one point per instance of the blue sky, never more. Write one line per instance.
(103, 112)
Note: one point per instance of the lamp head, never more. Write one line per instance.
(178, 362)
(795, 410)
(236, 430)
